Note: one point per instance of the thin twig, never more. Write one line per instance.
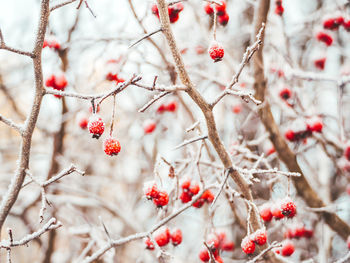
(274, 244)
(153, 100)
(11, 124)
(144, 37)
(185, 142)
(61, 4)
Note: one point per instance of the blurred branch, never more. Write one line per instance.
(11, 124)
(61, 4)
(14, 50)
(145, 36)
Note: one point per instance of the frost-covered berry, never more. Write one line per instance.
(216, 51)
(247, 245)
(111, 146)
(96, 126)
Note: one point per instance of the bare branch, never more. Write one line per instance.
(343, 259)
(145, 36)
(185, 142)
(61, 4)
(11, 124)
(153, 100)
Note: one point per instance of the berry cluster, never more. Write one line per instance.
(216, 51)
(160, 198)
(303, 134)
(170, 107)
(57, 83)
(217, 242)
(114, 77)
(52, 44)
(287, 249)
(223, 17)
(335, 23)
(259, 237)
(163, 238)
(298, 232)
(284, 208)
(190, 189)
(279, 8)
(173, 11)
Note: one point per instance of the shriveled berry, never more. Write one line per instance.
(96, 126)
(111, 146)
(223, 19)
(347, 153)
(171, 106)
(279, 10)
(285, 94)
(228, 246)
(290, 135)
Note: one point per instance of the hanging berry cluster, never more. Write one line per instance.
(295, 136)
(173, 10)
(217, 242)
(298, 232)
(159, 198)
(222, 15)
(259, 237)
(279, 210)
(190, 189)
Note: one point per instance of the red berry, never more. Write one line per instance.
(208, 196)
(290, 135)
(279, 10)
(288, 208)
(223, 19)
(199, 203)
(172, 106)
(236, 109)
(162, 239)
(83, 123)
(161, 108)
(152, 192)
(186, 184)
(339, 20)
(277, 212)
(218, 259)
(204, 255)
(111, 77)
(149, 126)
(111, 146)
(248, 246)
(228, 246)
(96, 126)
(176, 237)
(60, 82)
(208, 9)
(162, 199)
(285, 94)
(320, 63)
(155, 10)
(325, 38)
(149, 244)
(316, 127)
(265, 213)
(259, 237)
(185, 197)
(54, 44)
(331, 24)
(346, 25)
(271, 151)
(216, 52)
(50, 81)
(194, 189)
(287, 248)
(348, 242)
(174, 17)
(213, 241)
(347, 153)
(221, 9)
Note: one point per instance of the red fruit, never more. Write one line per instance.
(50, 81)
(111, 146)
(218, 259)
(228, 246)
(149, 126)
(152, 192)
(331, 24)
(216, 52)
(221, 9)
(171, 106)
(279, 10)
(155, 10)
(346, 25)
(186, 184)
(277, 212)
(204, 255)
(199, 203)
(221, 236)
(287, 248)
(83, 123)
(248, 246)
(213, 241)
(285, 94)
(162, 199)
(265, 213)
(259, 237)
(348, 242)
(223, 19)
(161, 108)
(174, 17)
(208, 196)
(236, 109)
(194, 189)
(316, 127)
(325, 38)
(320, 63)
(45, 44)
(162, 239)
(149, 244)
(347, 153)
(185, 197)
(290, 135)
(176, 237)
(208, 9)
(96, 126)
(271, 151)
(111, 77)
(288, 208)
(55, 45)
(60, 82)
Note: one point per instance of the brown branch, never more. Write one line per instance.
(145, 36)
(284, 152)
(61, 4)
(11, 124)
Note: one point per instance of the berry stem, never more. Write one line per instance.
(113, 114)
(215, 22)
